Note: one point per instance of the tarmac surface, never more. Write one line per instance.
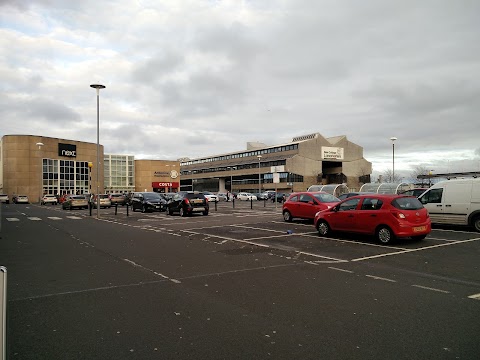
(237, 284)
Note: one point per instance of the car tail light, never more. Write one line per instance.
(399, 215)
(206, 199)
(187, 201)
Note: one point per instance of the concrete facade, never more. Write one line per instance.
(305, 161)
(157, 175)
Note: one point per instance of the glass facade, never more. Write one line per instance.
(119, 172)
(65, 177)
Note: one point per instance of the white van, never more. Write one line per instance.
(455, 202)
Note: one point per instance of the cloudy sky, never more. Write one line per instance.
(191, 78)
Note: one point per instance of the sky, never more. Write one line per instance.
(194, 78)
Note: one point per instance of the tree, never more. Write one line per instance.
(389, 178)
(419, 170)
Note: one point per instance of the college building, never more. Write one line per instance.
(37, 165)
(294, 166)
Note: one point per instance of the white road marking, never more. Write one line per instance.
(34, 218)
(476, 297)
(13, 219)
(414, 250)
(338, 269)
(152, 271)
(54, 218)
(432, 289)
(352, 242)
(227, 238)
(380, 278)
(74, 217)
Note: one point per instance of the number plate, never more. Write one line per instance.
(197, 201)
(419, 228)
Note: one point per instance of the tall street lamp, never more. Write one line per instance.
(259, 177)
(98, 87)
(393, 138)
(40, 144)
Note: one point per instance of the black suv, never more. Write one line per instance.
(148, 201)
(188, 202)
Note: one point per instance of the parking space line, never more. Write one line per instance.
(351, 241)
(432, 289)
(343, 270)
(13, 219)
(152, 271)
(226, 238)
(413, 250)
(380, 278)
(475, 296)
(34, 218)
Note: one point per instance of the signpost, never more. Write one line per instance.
(3, 313)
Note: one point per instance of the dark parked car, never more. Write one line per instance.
(148, 201)
(188, 202)
(279, 197)
(385, 216)
(305, 205)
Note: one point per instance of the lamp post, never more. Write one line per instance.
(98, 87)
(40, 144)
(393, 138)
(259, 177)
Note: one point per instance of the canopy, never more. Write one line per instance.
(384, 188)
(334, 189)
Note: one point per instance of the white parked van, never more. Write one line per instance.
(455, 202)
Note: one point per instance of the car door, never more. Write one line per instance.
(343, 217)
(307, 206)
(369, 215)
(432, 200)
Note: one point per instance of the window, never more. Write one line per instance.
(348, 205)
(372, 204)
(433, 196)
(305, 198)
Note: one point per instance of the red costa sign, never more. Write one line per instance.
(165, 184)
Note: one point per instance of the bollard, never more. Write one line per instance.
(264, 202)
(90, 208)
(233, 202)
(116, 206)
(127, 209)
(216, 205)
(251, 203)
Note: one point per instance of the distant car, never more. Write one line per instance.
(222, 196)
(75, 201)
(148, 202)
(350, 194)
(118, 199)
(20, 199)
(246, 196)
(187, 203)
(105, 201)
(210, 196)
(385, 216)
(305, 205)
(262, 196)
(279, 197)
(414, 192)
(4, 198)
(49, 199)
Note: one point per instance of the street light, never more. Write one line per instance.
(98, 87)
(40, 144)
(393, 138)
(259, 177)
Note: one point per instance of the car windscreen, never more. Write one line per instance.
(407, 203)
(323, 198)
(151, 196)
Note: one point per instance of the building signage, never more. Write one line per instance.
(165, 184)
(67, 150)
(161, 173)
(332, 153)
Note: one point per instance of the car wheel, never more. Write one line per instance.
(419, 237)
(205, 213)
(476, 223)
(323, 228)
(287, 216)
(182, 212)
(385, 235)
(144, 209)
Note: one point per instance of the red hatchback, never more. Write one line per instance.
(305, 205)
(385, 216)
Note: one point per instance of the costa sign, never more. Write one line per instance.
(165, 184)
(67, 150)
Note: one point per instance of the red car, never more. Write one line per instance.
(305, 205)
(386, 216)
